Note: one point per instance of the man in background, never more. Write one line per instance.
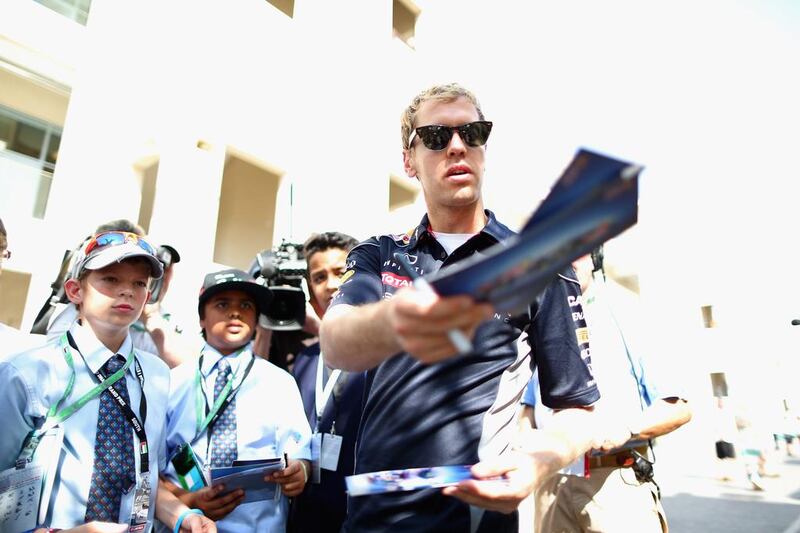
(613, 486)
(332, 398)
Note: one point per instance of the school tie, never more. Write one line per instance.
(114, 466)
(223, 435)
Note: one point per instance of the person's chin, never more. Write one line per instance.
(116, 322)
(237, 340)
(464, 197)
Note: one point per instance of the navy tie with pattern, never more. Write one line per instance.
(114, 463)
(223, 434)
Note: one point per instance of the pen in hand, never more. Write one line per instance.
(457, 337)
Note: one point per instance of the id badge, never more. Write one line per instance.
(187, 468)
(20, 492)
(331, 448)
(316, 450)
(141, 506)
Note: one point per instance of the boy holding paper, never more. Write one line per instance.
(229, 405)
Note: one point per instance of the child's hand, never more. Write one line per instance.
(292, 479)
(195, 523)
(214, 505)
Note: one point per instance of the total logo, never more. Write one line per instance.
(393, 280)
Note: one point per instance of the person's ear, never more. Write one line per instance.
(408, 164)
(73, 290)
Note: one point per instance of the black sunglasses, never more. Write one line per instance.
(437, 137)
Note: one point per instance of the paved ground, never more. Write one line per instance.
(700, 502)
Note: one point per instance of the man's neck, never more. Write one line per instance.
(467, 219)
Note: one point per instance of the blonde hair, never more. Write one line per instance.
(447, 92)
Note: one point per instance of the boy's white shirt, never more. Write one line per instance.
(270, 421)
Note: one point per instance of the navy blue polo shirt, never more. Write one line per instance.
(462, 409)
(322, 507)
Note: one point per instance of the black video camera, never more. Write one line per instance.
(168, 257)
(283, 269)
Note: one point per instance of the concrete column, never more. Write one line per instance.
(185, 214)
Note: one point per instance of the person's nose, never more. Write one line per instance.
(456, 145)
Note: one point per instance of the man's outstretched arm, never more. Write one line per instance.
(664, 416)
(357, 338)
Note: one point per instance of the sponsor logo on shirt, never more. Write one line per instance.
(347, 275)
(506, 318)
(391, 264)
(393, 280)
(403, 239)
(582, 334)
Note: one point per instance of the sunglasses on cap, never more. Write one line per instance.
(437, 137)
(115, 238)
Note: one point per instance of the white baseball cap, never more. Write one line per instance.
(110, 247)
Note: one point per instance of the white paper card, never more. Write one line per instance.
(20, 491)
(331, 447)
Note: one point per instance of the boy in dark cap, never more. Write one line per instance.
(264, 418)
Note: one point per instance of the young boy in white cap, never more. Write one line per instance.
(97, 402)
(230, 405)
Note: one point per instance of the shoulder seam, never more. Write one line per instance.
(569, 279)
(365, 243)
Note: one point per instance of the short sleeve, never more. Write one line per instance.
(361, 282)
(530, 397)
(657, 382)
(559, 342)
(656, 376)
(298, 432)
